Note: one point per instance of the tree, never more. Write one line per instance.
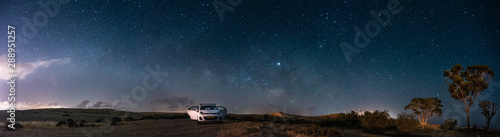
(424, 108)
(449, 124)
(467, 85)
(406, 123)
(489, 110)
(376, 122)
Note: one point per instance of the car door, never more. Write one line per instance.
(223, 111)
(193, 112)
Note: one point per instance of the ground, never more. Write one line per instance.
(178, 124)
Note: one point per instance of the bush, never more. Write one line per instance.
(315, 130)
(99, 120)
(343, 120)
(71, 123)
(60, 123)
(406, 123)
(350, 119)
(129, 119)
(17, 125)
(115, 121)
(266, 117)
(449, 124)
(82, 123)
(376, 122)
(146, 117)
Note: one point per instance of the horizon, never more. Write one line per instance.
(298, 57)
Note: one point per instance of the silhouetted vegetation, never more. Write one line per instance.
(342, 120)
(99, 120)
(449, 124)
(406, 123)
(71, 123)
(60, 123)
(466, 85)
(82, 123)
(129, 118)
(146, 117)
(115, 121)
(315, 130)
(489, 110)
(376, 122)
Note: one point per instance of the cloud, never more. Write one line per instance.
(174, 103)
(23, 69)
(25, 105)
(101, 104)
(82, 104)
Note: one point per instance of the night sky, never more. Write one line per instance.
(264, 56)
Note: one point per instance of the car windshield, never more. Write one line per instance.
(209, 108)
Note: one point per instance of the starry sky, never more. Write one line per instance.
(261, 56)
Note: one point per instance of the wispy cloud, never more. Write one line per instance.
(25, 105)
(101, 104)
(82, 104)
(23, 69)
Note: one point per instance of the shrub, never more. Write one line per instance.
(315, 130)
(406, 123)
(82, 123)
(350, 119)
(129, 119)
(146, 117)
(17, 125)
(343, 120)
(376, 122)
(449, 124)
(115, 121)
(99, 120)
(60, 123)
(266, 117)
(71, 123)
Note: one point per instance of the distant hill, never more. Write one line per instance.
(58, 114)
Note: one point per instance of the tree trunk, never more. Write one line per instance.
(468, 119)
(488, 124)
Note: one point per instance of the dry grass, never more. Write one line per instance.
(38, 124)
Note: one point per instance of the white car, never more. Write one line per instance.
(208, 112)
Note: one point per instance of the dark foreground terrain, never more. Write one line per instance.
(103, 122)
